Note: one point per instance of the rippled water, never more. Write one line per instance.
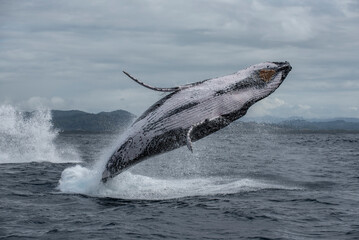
(239, 183)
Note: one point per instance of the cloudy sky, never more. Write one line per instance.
(70, 54)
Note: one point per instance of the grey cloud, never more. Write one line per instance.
(76, 50)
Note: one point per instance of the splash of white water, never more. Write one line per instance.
(87, 181)
(30, 138)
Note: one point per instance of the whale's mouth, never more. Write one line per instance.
(284, 67)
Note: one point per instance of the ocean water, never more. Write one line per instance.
(240, 183)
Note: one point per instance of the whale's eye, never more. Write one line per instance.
(266, 74)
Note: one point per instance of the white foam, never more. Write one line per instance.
(82, 180)
(30, 139)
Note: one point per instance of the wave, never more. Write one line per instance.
(87, 181)
(30, 138)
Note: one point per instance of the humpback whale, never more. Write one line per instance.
(193, 111)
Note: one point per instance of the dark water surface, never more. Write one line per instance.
(238, 184)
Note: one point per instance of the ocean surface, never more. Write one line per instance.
(239, 183)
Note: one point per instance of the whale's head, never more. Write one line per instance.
(252, 84)
(263, 79)
(270, 75)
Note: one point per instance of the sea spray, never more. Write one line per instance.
(79, 179)
(30, 138)
(127, 185)
(150, 184)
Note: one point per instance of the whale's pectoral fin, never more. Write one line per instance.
(173, 89)
(189, 141)
(212, 125)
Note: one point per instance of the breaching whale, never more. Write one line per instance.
(193, 111)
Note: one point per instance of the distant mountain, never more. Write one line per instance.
(299, 123)
(331, 125)
(75, 120)
(267, 119)
(272, 119)
(350, 120)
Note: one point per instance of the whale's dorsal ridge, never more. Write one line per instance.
(173, 89)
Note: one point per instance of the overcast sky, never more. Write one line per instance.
(70, 54)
